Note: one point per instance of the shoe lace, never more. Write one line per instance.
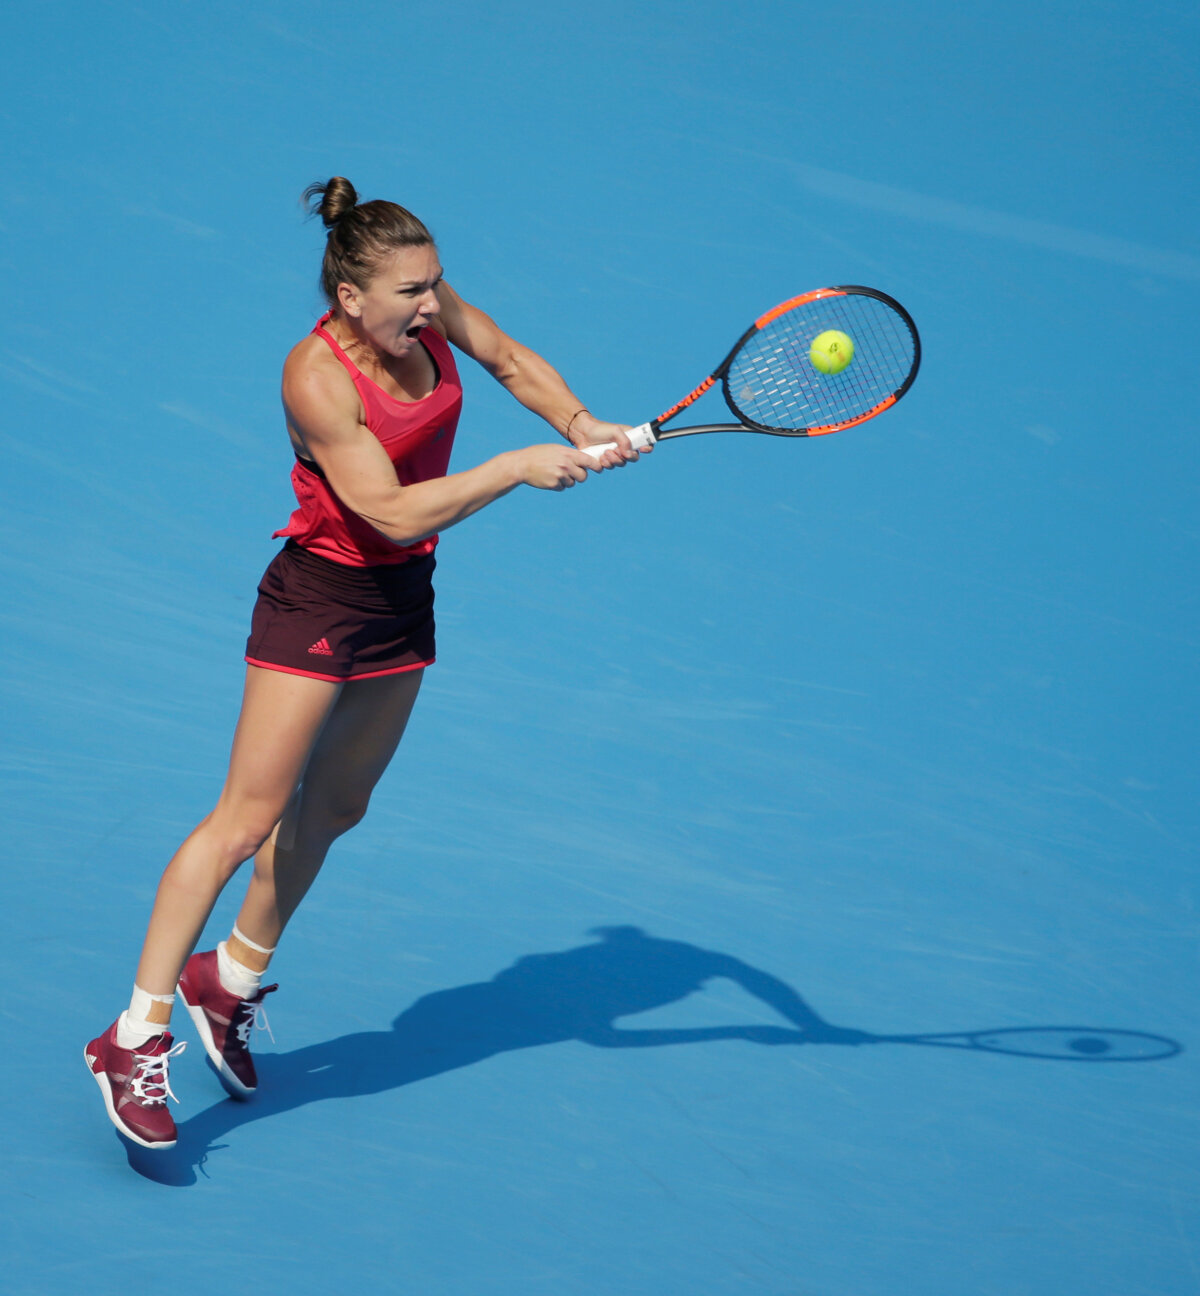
(151, 1079)
(252, 1017)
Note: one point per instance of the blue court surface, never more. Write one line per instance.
(788, 881)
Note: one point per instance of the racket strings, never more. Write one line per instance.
(772, 381)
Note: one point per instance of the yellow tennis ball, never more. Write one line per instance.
(831, 351)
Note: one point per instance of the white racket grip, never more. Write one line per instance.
(640, 438)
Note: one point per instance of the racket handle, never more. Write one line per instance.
(640, 438)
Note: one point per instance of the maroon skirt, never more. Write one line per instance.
(329, 621)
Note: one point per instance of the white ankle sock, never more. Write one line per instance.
(133, 1027)
(236, 977)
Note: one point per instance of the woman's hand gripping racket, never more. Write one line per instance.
(818, 363)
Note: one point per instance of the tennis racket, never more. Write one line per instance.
(771, 379)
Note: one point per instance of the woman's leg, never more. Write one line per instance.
(281, 718)
(358, 740)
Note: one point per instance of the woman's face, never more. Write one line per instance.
(400, 300)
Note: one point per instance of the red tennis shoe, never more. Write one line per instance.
(136, 1085)
(224, 1022)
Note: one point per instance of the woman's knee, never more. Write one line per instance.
(333, 816)
(238, 837)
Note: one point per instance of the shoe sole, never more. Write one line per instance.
(101, 1078)
(229, 1082)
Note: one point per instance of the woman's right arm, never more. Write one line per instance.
(325, 414)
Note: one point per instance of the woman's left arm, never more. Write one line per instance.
(532, 380)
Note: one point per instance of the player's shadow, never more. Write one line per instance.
(576, 994)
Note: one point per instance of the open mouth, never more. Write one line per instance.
(413, 332)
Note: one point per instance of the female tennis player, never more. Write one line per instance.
(342, 630)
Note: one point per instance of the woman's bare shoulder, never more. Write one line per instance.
(311, 352)
(314, 379)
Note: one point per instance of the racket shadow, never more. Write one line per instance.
(576, 994)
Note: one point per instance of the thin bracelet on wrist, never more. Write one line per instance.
(571, 420)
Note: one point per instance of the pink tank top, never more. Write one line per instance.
(418, 437)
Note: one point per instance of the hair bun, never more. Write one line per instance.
(330, 199)
(358, 235)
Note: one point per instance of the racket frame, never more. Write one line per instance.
(721, 374)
